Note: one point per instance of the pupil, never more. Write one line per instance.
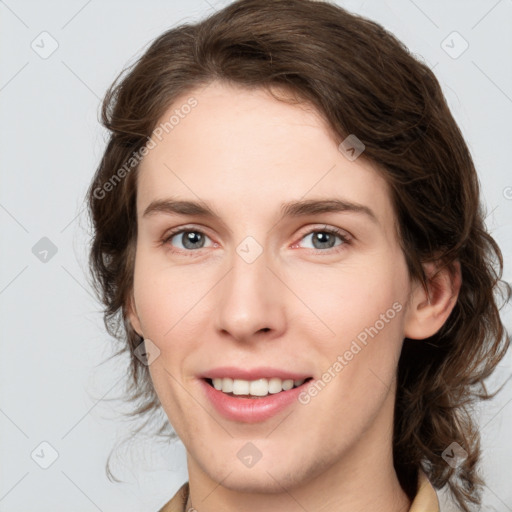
(191, 238)
(325, 239)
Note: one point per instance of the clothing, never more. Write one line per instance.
(425, 500)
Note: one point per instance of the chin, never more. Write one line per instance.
(259, 482)
(265, 477)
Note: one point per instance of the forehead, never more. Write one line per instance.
(239, 148)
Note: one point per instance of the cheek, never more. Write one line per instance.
(165, 295)
(359, 313)
(346, 301)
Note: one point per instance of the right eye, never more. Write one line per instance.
(189, 239)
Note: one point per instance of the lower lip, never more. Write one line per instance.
(251, 410)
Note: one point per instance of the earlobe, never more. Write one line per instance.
(427, 313)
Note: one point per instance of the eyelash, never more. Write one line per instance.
(330, 230)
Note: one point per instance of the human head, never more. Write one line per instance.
(361, 81)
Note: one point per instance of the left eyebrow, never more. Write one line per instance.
(315, 207)
(291, 209)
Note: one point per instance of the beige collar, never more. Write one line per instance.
(425, 500)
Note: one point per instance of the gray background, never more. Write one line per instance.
(53, 387)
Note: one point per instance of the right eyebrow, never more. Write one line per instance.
(172, 206)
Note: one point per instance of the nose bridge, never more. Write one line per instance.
(250, 296)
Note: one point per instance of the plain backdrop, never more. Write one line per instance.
(57, 60)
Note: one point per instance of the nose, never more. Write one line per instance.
(251, 300)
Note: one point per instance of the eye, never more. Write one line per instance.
(322, 239)
(326, 238)
(189, 239)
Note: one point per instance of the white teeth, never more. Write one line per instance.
(287, 384)
(260, 387)
(227, 385)
(240, 387)
(275, 385)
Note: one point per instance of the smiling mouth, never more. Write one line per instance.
(264, 391)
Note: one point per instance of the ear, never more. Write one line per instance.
(133, 317)
(427, 313)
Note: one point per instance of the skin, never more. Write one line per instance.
(297, 306)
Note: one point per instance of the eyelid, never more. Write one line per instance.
(178, 229)
(328, 228)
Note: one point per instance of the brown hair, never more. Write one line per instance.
(364, 82)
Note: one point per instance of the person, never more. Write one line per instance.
(288, 239)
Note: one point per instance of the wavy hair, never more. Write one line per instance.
(363, 81)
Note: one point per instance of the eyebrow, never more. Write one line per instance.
(299, 208)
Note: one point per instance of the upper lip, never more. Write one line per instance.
(260, 372)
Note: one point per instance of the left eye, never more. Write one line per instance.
(325, 238)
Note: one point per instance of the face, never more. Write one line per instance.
(296, 269)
